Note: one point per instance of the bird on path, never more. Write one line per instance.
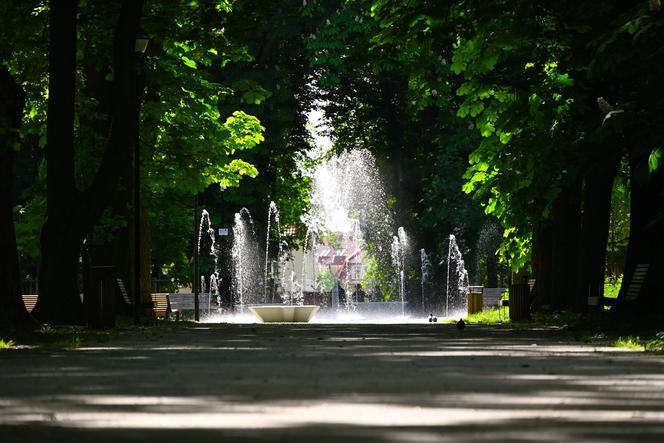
(460, 324)
(432, 318)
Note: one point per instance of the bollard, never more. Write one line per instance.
(519, 301)
(475, 299)
(99, 303)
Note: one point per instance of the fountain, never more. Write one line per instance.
(312, 247)
(352, 221)
(214, 291)
(214, 276)
(272, 209)
(426, 271)
(399, 251)
(284, 314)
(293, 308)
(349, 230)
(245, 254)
(454, 255)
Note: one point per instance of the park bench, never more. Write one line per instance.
(123, 291)
(493, 296)
(161, 303)
(638, 277)
(184, 301)
(29, 300)
(162, 306)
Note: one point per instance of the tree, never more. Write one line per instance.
(534, 78)
(70, 214)
(88, 187)
(386, 89)
(12, 99)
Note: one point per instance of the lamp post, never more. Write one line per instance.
(140, 46)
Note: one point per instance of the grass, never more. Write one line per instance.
(654, 345)
(611, 288)
(629, 342)
(489, 316)
(644, 333)
(61, 337)
(73, 337)
(6, 344)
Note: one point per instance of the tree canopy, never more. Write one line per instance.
(537, 123)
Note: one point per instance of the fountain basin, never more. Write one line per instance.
(284, 313)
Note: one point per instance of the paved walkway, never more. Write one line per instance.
(333, 383)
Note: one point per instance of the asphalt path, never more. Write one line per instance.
(333, 383)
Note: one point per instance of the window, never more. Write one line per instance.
(356, 272)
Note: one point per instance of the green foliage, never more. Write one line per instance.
(6, 344)
(381, 277)
(524, 76)
(619, 225)
(654, 159)
(272, 82)
(629, 342)
(188, 140)
(655, 346)
(489, 316)
(386, 88)
(324, 280)
(330, 238)
(612, 287)
(60, 337)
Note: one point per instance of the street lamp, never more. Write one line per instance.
(140, 46)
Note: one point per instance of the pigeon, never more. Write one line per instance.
(432, 319)
(461, 324)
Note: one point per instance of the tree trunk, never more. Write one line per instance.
(542, 266)
(491, 270)
(60, 242)
(595, 230)
(643, 285)
(12, 310)
(146, 267)
(72, 214)
(566, 223)
(395, 136)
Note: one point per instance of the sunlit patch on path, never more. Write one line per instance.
(321, 382)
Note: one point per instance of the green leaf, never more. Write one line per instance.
(476, 108)
(564, 80)
(189, 62)
(654, 159)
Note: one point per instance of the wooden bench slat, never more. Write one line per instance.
(162, 306)
(29, 300)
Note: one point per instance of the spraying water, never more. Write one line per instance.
(311, 248)
(458, 295)
(205, 219)
(214, 291)
(426, 272)
(214, 252)
(272, 210)
(399, 252)
(245, 259)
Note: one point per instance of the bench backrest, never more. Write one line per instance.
(492, 296)
(29, 300)
(161, 305)
(123, 291)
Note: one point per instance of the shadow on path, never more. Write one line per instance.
(304, 383)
